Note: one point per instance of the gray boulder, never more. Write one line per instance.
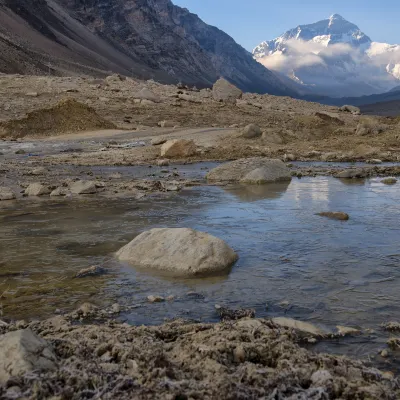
(22, 351)
(83, 187)
(226, 92)
(178, 251)
(37, 189)
(251, 170)
(6, 193)
(251, 131)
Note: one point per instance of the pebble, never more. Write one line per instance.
(384, 353)
(155, 299)
(116, 308)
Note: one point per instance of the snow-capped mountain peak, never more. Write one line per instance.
(332, 56)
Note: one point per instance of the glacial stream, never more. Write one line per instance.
(292, 262)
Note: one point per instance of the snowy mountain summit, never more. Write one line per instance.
(332, 57)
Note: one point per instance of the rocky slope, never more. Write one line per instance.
(332, 57)
(141, 38)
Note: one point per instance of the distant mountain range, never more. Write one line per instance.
(141, 38)
(332, 57)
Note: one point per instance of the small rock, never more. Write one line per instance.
(384, 353)
(178, 148)
(251, 131)
(389, 181)
(6, 193)
(167, 124)
(20, 151)
(155, 299)
(346, 331)
(171, 186)
(60, 191)
(32, 94)
(158, 140)
(22, 351)
(374, 161)
(37, 189)
(338, 215)
(87, 309)
(171, 298)
(83, 187)
(94, 270)
(226, 92)
(300, 326)
(351, 109)
(163, 163)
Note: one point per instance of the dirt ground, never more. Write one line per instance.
(236, 359)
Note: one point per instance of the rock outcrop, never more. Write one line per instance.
(178, 251)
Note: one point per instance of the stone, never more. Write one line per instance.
(351, 109)
(239, 355)
(21, 352)
(190, 99)
(226, 92)
(338, 215)
(155, 299)
(264, 175)
(272, 137)
(6, 193)
(38, 171)
(32, 94)
(274, 170)
(83, 187)
(146, 94)
(163, 163)
(116, 308)
(158, 140)
(179, 251)
(351, 173)
(115, 78)
(251, 131)
(37, 189)
(171, 186)
(20, 151)
(384, 353)
(374, 161)
(167, 124)
(178, 148)
(60, 191)
(300, 326)
(94, 270)
(347, 331)
(389, 181)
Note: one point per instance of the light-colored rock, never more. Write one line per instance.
(224, 91)
(6, 193)
(374, 161)
(190, 99)
(251, 131)
(180, 251)
(351, 109)
(264, 175)
(37, 189)
(146, 94)
(32, 94)
(171, 186)
(38, 171)
(22, 351)
(167, 124)
(272, 137)
(339, 215)
(235, 171)
(163, 163)
(83, 187)
(347, 331)
(178, 148)
(300, 326)
(155, 299)
(60, 191)
(158, 140)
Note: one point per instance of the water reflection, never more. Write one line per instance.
(250, 193)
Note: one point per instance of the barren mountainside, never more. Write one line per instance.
(141, 38)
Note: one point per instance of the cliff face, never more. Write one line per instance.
(144, 38)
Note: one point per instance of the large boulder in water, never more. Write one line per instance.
(178, 251)
(226, 92)
(251, 170)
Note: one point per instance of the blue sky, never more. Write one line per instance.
(250, 22)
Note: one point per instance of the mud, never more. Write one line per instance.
(243, 359)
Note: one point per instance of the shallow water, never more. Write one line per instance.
(326, 272)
